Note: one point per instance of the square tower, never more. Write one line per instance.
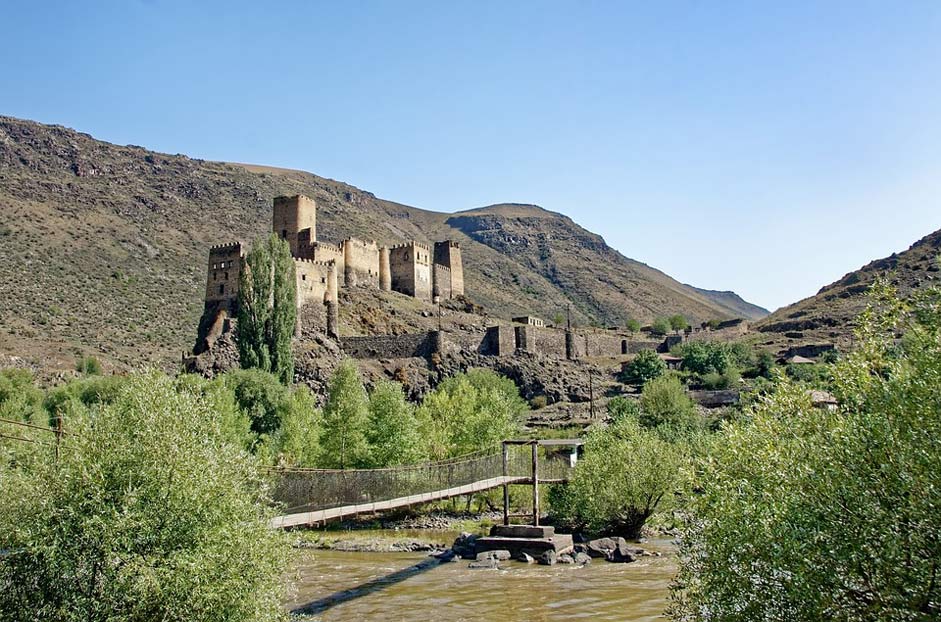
(295, 220)
(410, 265)
(448, 254)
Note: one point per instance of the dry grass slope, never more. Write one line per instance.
(102, 248)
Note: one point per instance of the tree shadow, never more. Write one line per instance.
(338, 598)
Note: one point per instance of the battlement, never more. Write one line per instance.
(412, 244)
(218, 249)
(364, 243)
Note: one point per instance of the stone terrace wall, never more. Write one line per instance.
(550, 342)
(390, 346)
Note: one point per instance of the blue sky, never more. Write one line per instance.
(763, 147)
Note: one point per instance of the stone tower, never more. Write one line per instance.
(385, 270)
(295, 220)
(448, 254)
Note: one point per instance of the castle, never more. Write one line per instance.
(412, 268)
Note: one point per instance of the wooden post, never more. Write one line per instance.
(58, 434)
(535, 446)
(506, 486)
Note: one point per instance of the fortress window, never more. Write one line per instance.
(226, 276)
(215, 276)
(284, 234)
(222, 290)
(303, 277)
(624, 346)
(323, 280)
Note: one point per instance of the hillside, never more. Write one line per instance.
(103, 248)
(828, 317)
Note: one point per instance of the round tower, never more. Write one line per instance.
(385, 270)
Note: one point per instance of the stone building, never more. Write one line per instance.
(321, 268)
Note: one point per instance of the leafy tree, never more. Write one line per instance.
(267, 312)
(632, 325)
(626, 474)
(660, 326)
(645, 366)
(808, 514)
(148, 514)
(764, 364)
(704, 357)
(678, 322)
(392, 430)
(261, 397)
(622, 408)
(558, 319)
(470, 412)
(297, 442)
(345, 417)
(809, 373)
(667, 408)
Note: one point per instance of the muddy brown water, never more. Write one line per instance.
(336, 586)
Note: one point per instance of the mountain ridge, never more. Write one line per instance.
(103, 247)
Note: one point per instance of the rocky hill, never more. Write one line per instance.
(828, 317)
(103, 248)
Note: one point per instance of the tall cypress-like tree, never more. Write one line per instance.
(267, 309)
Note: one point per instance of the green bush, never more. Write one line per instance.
(809, 373)
(668, 409)
(807, 514)
(625, 474)
(148, 514)
(645, 366)
(623, 408)
(678, 322)
(660, 326)
(88, 366)
(704, 357)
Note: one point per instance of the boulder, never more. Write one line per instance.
(582, 559)
(500, 555)
(613, 550)
(548, 558)
(465, 545)
(484, 564)
(565, 558)
(526, 558)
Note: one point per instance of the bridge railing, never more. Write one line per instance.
(304, 490)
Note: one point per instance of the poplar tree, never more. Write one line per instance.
(345, 416)
(267, 309)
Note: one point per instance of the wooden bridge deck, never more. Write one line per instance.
(323, 516)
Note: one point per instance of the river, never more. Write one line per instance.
(340, 586)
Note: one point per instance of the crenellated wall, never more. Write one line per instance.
(360, 263)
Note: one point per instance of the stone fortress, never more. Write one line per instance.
(321, 268)
(427, 273)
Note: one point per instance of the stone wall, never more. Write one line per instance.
(391, 346)
(325, 253)
(448, 254)
(442, 281)
(550, 342)
(360, 263)
(410, 265)
(313, 281)
(499, 341)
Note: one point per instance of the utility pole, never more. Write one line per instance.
(568, 312)
(591, 394)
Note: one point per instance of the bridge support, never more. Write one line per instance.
(506, 486)
(535, 484)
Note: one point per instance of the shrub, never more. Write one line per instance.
(88, 366)
(623, 408)
(149, 513)
(808, 514)
(668, 409)
(261, 397)
(632, 325)
(626, 473)
(702, 357)
(660, 326)
(539, 401)
(645, 366)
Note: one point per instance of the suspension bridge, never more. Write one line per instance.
(317, 496)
